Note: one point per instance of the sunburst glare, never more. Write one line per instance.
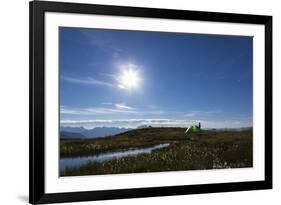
(129, 78)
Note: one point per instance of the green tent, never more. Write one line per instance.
(193, 128)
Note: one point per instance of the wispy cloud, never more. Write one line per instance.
(102, 42)
(87, 81)
(119, 120)
(133, 123)
(114, 111)
(201, 113)
(105, 44)
(109, 108)
(95, 111)
(124, 107)
(129, 122)
(106, 103)
(127, 78)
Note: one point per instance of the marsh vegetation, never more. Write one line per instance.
(210, 149)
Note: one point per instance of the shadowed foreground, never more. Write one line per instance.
(197, 151)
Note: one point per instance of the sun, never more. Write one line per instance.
(129, 79)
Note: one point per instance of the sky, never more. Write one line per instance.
(118, 78)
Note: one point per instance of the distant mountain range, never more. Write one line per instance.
(71, 135)
(81, 132)
(230, 129)
(73, 129)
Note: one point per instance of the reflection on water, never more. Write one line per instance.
(77, 162)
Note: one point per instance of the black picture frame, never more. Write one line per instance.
(37, 193)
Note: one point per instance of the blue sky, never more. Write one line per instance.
(129, 78)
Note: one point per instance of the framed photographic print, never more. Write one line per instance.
(140, 102)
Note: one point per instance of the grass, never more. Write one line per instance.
(205, 150)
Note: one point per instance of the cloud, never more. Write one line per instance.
(197, 113)
(191, 114)
(113, 121)
(106, 103)
(239, 123)
(102, 42)
(108, 108)
(124, 107)
(137, 121)
(130, 74)
(94, 111)
(130, 123)
(88, 81)
(133, 123)
(105, 45)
